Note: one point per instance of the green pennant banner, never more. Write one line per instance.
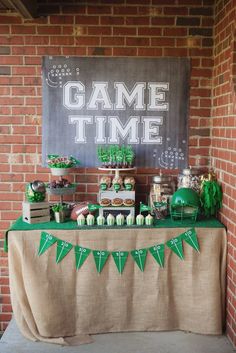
(158, 252)
(46, 241)
(81, 255)
(100, 258)
(144, 207)
(93, 207)
(120, 258)
(139, 257)
(175, 244)
(190, 236)
(63, 248)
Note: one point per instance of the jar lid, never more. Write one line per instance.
(158, 179)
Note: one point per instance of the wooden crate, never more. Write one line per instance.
(36, 212)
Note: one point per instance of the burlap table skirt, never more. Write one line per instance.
(54, 302)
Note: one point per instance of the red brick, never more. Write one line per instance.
(139, 42)
(99, 10)
(49, 50)
(49, 30)
(163, 42)
(124, 31)
(149, 31)
(163, 21)
(87, 40)
(4, 29)
(18, 70)
(175, 52)
(124, 52)
(11, 60)
(88, 20)
(10, 19)
(139, 21)
(37, 40)
(61, 19)
(62, 40)
(29, 29)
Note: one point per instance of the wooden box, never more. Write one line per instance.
(36, 212)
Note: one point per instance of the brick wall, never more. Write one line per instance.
(223, 151)
(151, 28)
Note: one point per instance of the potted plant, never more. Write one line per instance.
(60, 165)
(59, 212)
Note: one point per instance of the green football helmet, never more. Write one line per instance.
(184, 204)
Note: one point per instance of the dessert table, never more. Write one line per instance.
(54, 302)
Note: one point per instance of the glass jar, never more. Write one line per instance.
(189, 179)
(162, 188)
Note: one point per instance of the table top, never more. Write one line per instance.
(19, 224)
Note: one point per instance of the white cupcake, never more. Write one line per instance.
(81, 220)
(120, 219)
(140, 219)
(90, 220)
(130, 219)
(110, 220)
(149, 220)
(100, 221)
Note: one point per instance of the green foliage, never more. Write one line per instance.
(58, 207)
(115, 155)
(56, 161)
(211, 197)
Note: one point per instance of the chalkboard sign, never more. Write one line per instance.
(143, 102)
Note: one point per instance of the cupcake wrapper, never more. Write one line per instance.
(101, 222)
(110, 223)
(140, 222)
(130, 222)
(90, 222)
(120, 222)
(81, 222)
(149, 222)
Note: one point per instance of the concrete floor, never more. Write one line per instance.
(139, 342)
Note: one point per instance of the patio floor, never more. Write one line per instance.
(139, 342)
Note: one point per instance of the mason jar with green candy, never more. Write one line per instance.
(35, 192)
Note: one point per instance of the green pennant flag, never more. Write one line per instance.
(63, 248)
(46, 241)
(93, 207)
(81, 255)
(144, 207)
(158, 252)
(190, 236)
(139, 257)
(100, 258)
(175, 244)
(120, 258)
